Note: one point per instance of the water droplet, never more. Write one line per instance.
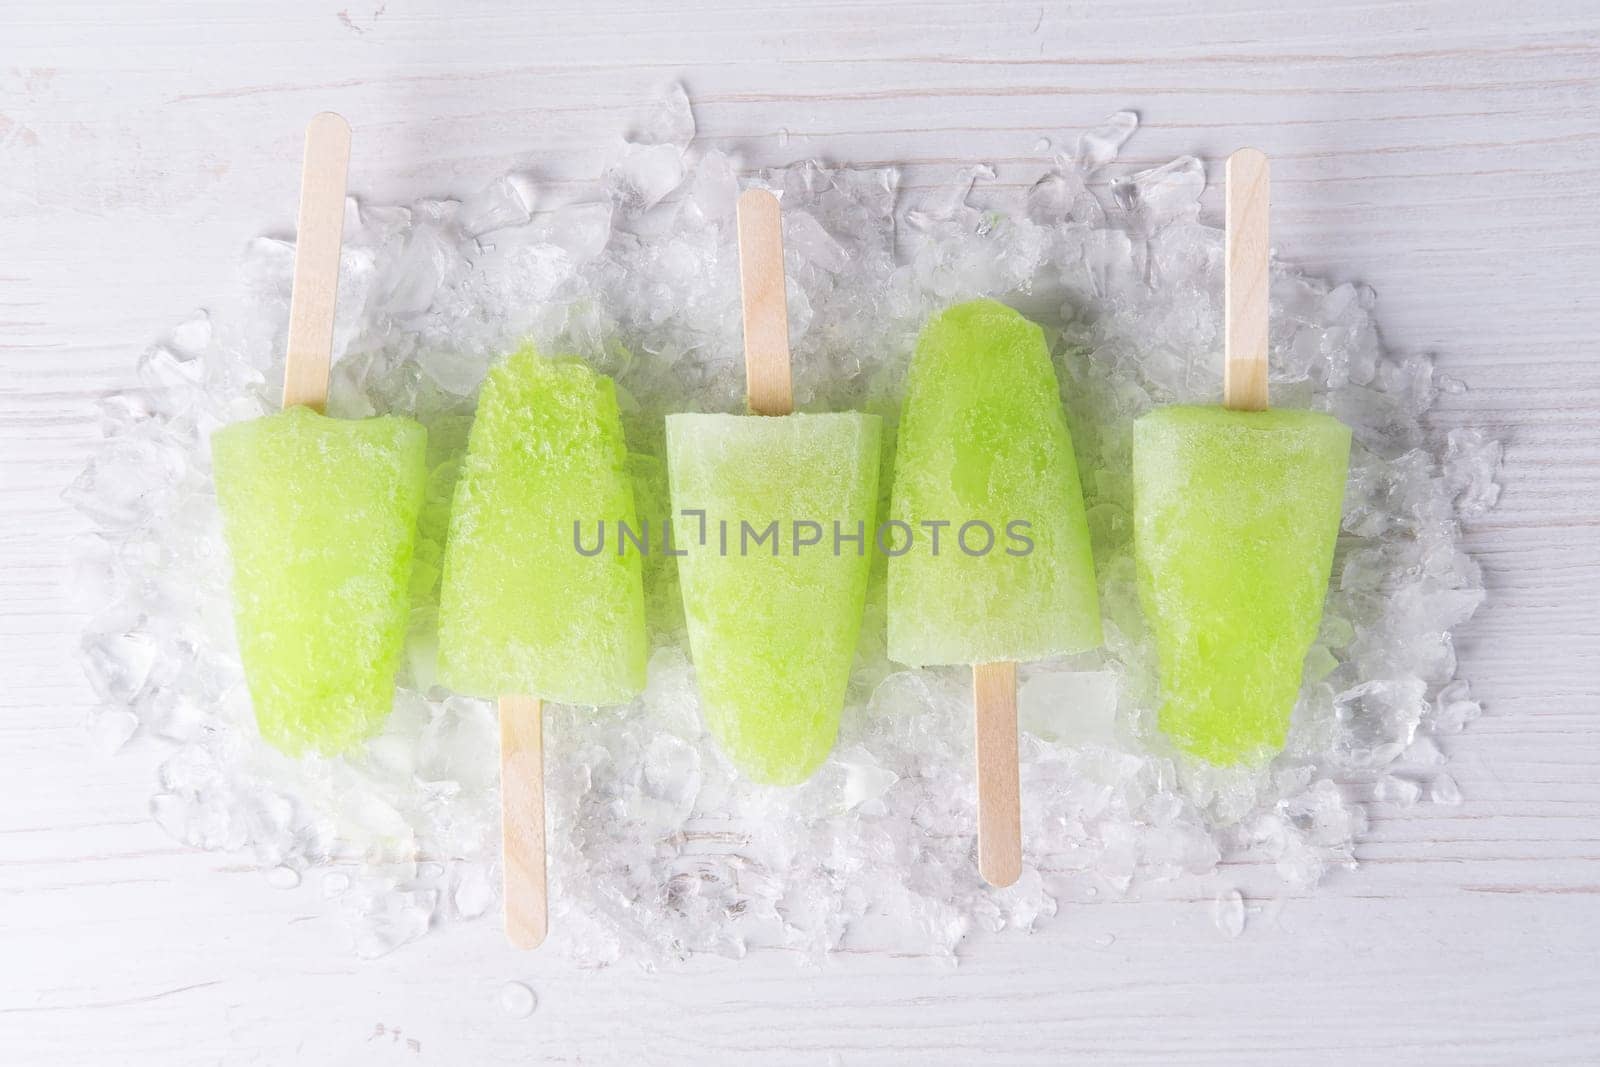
(1042, 145)
(517, 1000)
(334, 884)
(783, 138)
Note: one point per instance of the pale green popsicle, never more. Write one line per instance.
(320, 517)
(773, 622)
(1235, 518)
(983, 441)
(521, 609)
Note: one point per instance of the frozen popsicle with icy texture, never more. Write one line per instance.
(521, 609)
(772, 597)
(320, 517)
(992, 564)
(319, 514)
(985, 462)
(774, 512)
(1236, 513)
(536, 602)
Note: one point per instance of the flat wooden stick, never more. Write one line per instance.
(994, 697)
(768, 388)
(316, 261)
(522, 819)
(1246, 283)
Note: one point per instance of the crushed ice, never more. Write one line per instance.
(658, 849)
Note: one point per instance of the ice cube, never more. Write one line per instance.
(643, 175)
(670, 120)
(1099, 146)
(1228, 912)
(1162, 195)
(671, 774)
(1444, 790)
(112, 729)
(503, 202)
(1397, 790)
(1471, 463)
(1070, 707)
(119, 664)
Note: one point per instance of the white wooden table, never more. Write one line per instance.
(1447, 153)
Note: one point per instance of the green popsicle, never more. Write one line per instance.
(320, 518)
(537, 600)
(984, 458)
(1235, 518)
(319, 514)
(983, 440)
(774, 513)
(773, 601)
(522, 610)
(1236, 512)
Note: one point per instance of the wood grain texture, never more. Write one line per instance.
(1245, 280)
(1444, 152)
(768, 389)
(994, 703)
(522, 820)
(318, 237)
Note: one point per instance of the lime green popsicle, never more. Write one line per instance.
(990, 562)
(320, 518)
(1235, 518)
(983, 449)
(522, 610)
(773, 601)
(1236, 512)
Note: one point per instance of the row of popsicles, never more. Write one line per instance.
(1235, 517)
(1236, 514)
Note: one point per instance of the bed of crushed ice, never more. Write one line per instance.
(658, 849)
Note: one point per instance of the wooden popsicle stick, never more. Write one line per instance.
(522, 819)
(316, 261)
(994, 698)
(1246, 283)
(768, 388)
